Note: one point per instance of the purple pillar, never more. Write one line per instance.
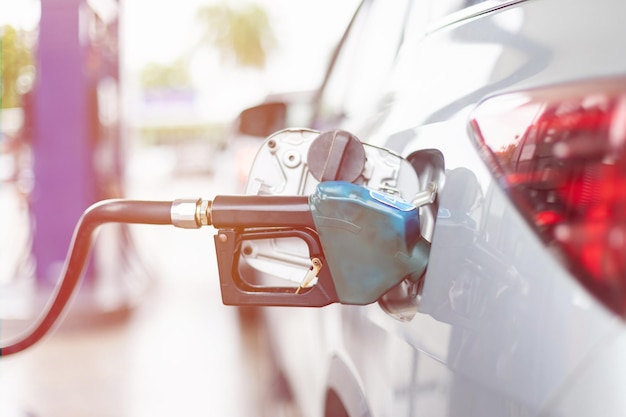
(62, 146)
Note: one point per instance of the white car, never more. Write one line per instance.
(517, 110)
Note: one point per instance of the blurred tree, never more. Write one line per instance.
(242, 36)
(175, 75)
(16, 65)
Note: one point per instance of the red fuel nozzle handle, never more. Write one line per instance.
(245, 211)
(247, 217)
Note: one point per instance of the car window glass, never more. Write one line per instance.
(372, 127)
(401, 100)
(363, 63)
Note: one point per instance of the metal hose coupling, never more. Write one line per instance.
(188, 213)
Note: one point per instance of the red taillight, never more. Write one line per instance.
(560, 153)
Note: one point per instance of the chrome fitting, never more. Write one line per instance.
(427, 196)
(191, 214)
(203, 213)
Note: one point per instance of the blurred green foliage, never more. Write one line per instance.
(243, 35)
(16, 65)
(174, 76)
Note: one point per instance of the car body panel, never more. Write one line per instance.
(503, 328)
(598, 385)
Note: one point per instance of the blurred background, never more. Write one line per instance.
(137, 99)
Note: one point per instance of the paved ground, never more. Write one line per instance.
(179, 353)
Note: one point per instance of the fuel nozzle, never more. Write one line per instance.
(364, 242)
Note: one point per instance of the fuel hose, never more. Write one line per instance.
(224, 211)
(108, 211)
